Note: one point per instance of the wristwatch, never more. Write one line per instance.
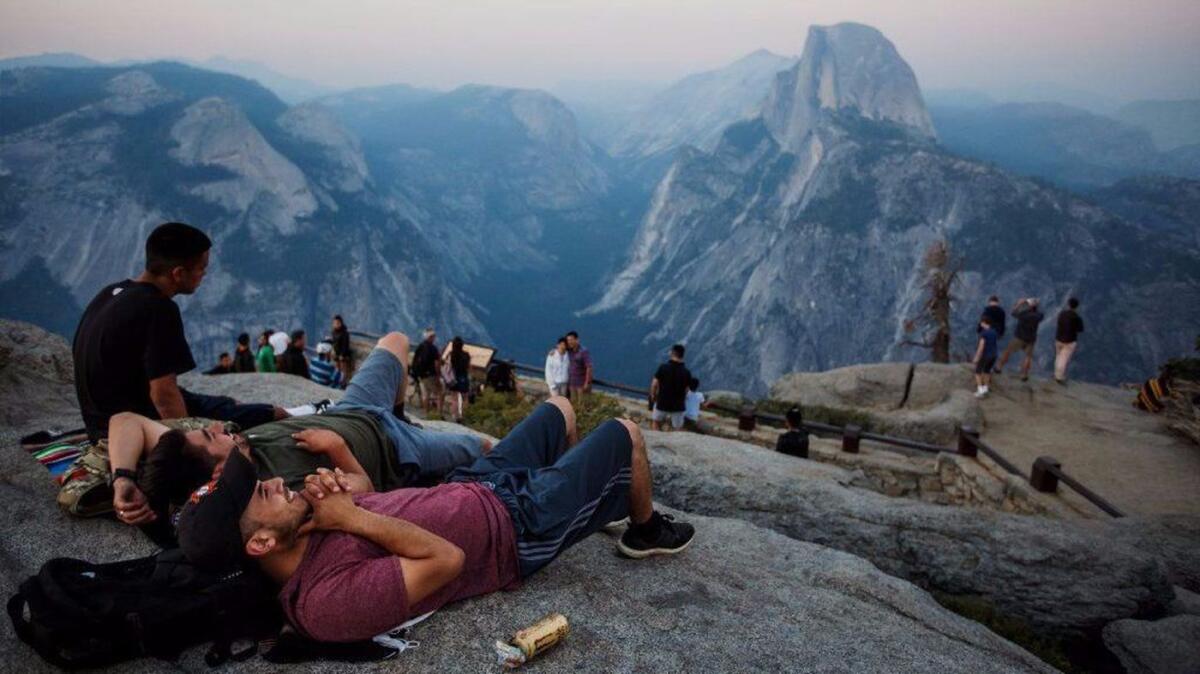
(131, 475)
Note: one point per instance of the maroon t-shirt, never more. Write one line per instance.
(347, 588)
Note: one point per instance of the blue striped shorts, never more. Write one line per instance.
(556, 497)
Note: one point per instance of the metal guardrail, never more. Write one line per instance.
(1045, 477)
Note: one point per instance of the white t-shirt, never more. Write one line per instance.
(691, 405)
(557, 364)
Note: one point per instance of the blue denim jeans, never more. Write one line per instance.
(373, 389)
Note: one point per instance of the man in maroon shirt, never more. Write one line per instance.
(354, 565)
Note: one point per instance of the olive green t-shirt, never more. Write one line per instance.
(277, 455)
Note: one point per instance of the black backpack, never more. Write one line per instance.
(500, 377)
(83, 615)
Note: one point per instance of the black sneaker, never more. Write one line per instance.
(321, 406)
(660, 535)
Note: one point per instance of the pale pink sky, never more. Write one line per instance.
(1119, 48)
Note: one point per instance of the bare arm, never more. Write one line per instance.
(167, 398)
(978, 353)
(654, 389)
(334, 446)
(129, 437)
(427, 561)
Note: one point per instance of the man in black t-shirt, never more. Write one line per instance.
(994, 313)
(426, 370)
(1066, 338)
(668, 391)
(243, 358)
(129, 346)
(1025, 336)
(293, 360)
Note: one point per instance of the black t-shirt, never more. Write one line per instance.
(424, 362)
(129, 334)
(243, 361)
(673, 379)
(995, 316)
(293, 361)
(794, 443)
(1027, 324)
(1069, 326)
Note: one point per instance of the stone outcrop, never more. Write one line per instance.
(1168, 646)
(741, 598)
(37, 377)
(925, 401)
(1067, 577)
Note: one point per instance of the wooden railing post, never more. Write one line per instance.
(1043, 477)
(850, 437)
(966, 445)
(747, 419)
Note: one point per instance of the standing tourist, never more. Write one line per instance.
(668, 391)
(1066, 337)
(460, 366)
(343, 355)
(426, 366)
(580, 374)
(558, 369)
(985, 357)
(1025, 336)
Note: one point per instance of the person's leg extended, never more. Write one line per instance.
(605, 478)
(380, 382)
(224, 408)
(538, 441)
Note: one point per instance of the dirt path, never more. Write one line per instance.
(1125, 455)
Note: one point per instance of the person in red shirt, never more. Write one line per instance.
(411, 551)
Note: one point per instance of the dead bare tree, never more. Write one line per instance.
(941, 269)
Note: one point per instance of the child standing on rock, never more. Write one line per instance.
(985, 357)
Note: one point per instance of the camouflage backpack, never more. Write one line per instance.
(85, 491)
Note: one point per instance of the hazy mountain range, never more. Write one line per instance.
(771, 214)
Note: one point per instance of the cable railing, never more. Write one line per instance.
(1045, 477)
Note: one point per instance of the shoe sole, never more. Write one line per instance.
(650, 552)
(616, 525)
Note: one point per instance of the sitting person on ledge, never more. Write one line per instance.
(352, 565)
(130, 346)
(359, 434)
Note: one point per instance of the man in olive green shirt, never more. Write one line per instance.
(359, 434)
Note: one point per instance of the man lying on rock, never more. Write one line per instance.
(354, 565)
(359, 434)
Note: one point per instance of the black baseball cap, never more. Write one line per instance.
(208, 529)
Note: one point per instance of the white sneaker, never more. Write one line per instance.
(979, 393)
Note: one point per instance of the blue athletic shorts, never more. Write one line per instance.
(373, 389)
(556, 497)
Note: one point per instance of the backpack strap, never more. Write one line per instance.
(16, 613)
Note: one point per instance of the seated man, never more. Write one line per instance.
(130, 345)
(359, 435)
(354, 567)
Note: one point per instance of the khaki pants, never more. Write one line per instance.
(1062, 357)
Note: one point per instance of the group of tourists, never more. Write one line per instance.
(327, 505)
(1029, 316)
(332, 365)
